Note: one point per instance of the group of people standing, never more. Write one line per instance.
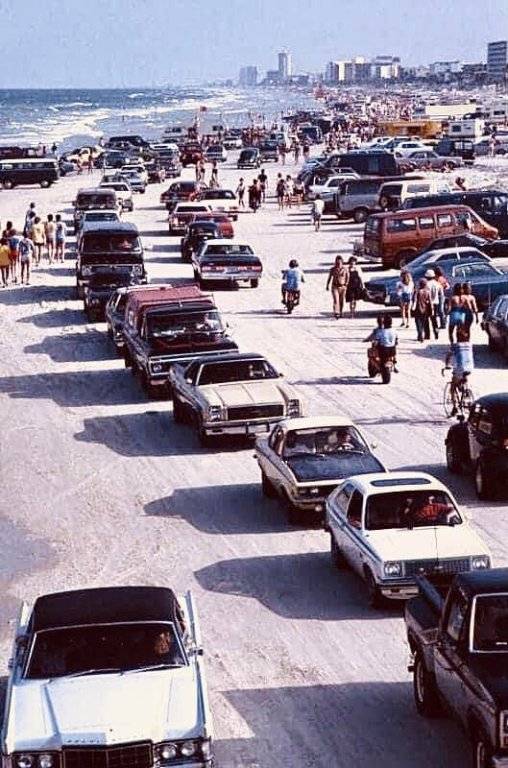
(346, 283)
(38, 240)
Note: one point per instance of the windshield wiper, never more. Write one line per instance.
(94, 671)
(149, 667)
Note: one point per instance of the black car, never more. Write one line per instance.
(226, 261)
(156, 172)
(480, 445)
(103, 282)
(496, 249)
(495, 324)
(490, 204)
(250, 157)
(269, 150)
(197, 233)
(464, 148)
(366, 162)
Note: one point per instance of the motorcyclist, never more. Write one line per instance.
(292, 278)
(384, 338)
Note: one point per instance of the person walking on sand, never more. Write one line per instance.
(318, 208)
(297, 152)
(50, 234)
(214, 181)
(240, 193)
(14, 241)
(354, 290)
(26, 251)
(288, 191)
(280, 191)
(5, 261)
(338, 278)
(29, 217)
(263, 180)
(37, 238)
(405, 289)
(60, 238)
(422, 310)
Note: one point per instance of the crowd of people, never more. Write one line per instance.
(39, 240)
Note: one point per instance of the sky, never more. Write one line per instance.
(129, 43)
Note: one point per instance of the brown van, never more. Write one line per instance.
(402, 235)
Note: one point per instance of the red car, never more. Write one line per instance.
(180, 192)
(191, 153)
(221, 219)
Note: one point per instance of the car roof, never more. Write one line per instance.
(103, 604)
(229, 357)
(384, 482)
(496, 402)
(412, 212)
(93, 190)
(184, 204)
(169, 294)
(452, 250)
(483, 582)
(226, 241)
(316, 422)
(102, 211)
(125, 227)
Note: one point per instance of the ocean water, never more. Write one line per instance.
(73, 117)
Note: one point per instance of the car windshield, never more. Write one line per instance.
(219, 194)
(165, 326)
(117, 187)
(114, 647)
(96, 201)
(240, 370)
(410, 509)
(490, 630)
(116, 279)
(95, 243)
(323, 440)
(101, 216)
(224, 249)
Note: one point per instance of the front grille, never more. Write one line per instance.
(247, 412)
(122, 756)
(436, 567)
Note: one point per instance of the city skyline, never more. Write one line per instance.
(131, 43)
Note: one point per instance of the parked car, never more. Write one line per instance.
(135, 181)
(171, 325)
(240, 394)
(94, 198)
(103, 282)
(269, 150)
(104, 244)
(495, 324)
(250, 157)
(358, 198)
(327, 188)
(304, 459)
(184, 213)
(490, 204)
(428, 159)
(226, 261)
(114, 312)
(217, 153)
(191, 153)
(405, 148)
(463, 148)
(458, 646)
(123, 193)
(495, 249)
(155, 171)
(233, 139)
(197, 233)
(400, 235)
(139, 168)
(43, 171)
(392, 194)
(480, 444)
(222, 200)
(391, 528)
(100, 652)
(180, 191)
(366, 162)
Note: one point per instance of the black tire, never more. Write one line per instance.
(424, 689)
(452, 460)
(336, 554)
(386, 374)
(45, 184)
(267, 487)
(204, 440)
(371, 369)
(178, 411)
(360, 215)
(289, 305)
(491, 343)
(481, 751)
(483, 482)
(374, 596)
(8, 184)
(127, 357)
(254, 283)
(293, 515)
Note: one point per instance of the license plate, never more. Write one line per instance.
(257, 428)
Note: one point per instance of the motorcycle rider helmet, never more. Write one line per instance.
(293, 264)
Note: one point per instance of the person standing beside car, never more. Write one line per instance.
(436, 297)
(422, 310)
(405, 289)
(354, 290)
(60, 238)
(338, 278)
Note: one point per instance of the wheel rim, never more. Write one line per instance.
(420, 681)
(447, 399)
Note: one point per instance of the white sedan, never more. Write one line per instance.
(391, 528)
(327, 187)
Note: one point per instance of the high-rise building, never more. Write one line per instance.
(497, 59)
(285, 65)
(248, 76)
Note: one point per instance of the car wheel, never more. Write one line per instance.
(374, 596)
(44, 184)
(491, 343)
(293, 515)
(424, 689)
(254, 283)
(483, 482)
(336, 554)
(267, 487)
(178, 411)
(452, 460)
(360, 215)
(8, 184)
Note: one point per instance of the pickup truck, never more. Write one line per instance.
(169, 325)
(459, 653)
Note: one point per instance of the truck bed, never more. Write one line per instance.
(422, 613)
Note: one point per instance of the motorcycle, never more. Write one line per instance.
(292, 300)
(381, 360)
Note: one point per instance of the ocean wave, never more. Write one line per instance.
(135, 95)
(72, 104)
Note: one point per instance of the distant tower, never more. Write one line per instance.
(285, 65)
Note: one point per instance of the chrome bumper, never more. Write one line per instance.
(500, 762)
(249, 428)
(230, 276)
(401, 590)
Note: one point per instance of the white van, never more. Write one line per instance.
(393, 193)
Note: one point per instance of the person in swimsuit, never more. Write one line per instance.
(457, 316)
(469, 305)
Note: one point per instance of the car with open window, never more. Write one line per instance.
(304, 459)
(390, 528)
(112, 676)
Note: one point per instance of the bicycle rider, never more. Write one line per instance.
(292, 278)
(460, 359)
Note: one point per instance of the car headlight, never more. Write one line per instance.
(188, 748)
(293, 407)
(157, 367)
(393, 568)
(94, 301)
(214, 413)
(480, 562)
(86, 271)
(165, 752)
(36, 760)
(46, 761)
(137, 269)
(25, 761)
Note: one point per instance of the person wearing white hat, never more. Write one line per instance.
(436, 298)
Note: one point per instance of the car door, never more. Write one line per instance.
(337, 518)
(353, 547)
(498, 321)
(271, 459)
(449, 653)
(480, 431)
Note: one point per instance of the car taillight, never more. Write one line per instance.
(505, 443)
(257, 268)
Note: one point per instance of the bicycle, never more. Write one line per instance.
(464, 397)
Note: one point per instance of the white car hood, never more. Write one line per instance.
(104, 709)
(426, 543)
(243, 393)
